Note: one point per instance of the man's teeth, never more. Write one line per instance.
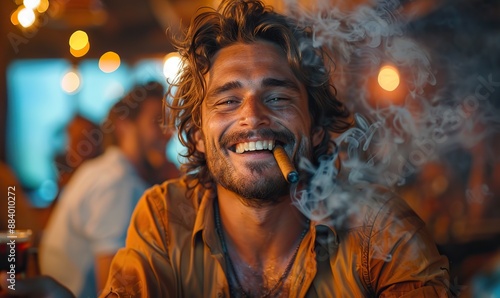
(253, 146)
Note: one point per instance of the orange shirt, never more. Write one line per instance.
(173, 250)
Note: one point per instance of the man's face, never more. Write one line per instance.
(149, 134)
(253, 102)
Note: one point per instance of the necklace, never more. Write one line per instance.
(282, 278)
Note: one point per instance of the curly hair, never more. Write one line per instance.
(247, 21)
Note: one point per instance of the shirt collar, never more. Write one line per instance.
(205, 220)
(326, 234)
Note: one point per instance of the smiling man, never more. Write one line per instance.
(253, 101)
(253, 80)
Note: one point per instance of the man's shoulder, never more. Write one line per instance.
(175, 200)
(170, 191)
(390, 217)
(376, 207)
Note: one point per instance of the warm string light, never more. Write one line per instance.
(31, 4)
(26, 13)
(78, 40)
(79, 44)
(80, 53)
(172, 65)
(388, 78)
(387, 87)
(26, 17)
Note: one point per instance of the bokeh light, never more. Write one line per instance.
(388, 78)
(109, 62)
(81, 52)
(14, 18)
(171, 66)
(70, 82)
(26, 17)
(78, 40)
(44, 5)
(31, 4)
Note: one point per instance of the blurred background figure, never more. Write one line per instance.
(89, 221)
(83, 143)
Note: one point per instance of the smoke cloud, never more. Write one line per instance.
(445, 109)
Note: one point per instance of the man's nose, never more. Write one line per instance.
(254, 113)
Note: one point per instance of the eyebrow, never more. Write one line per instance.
(226, 87)
(268, 82)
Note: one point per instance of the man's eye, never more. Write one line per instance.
(277, 99)
(227, 102)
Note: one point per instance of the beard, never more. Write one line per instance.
(257, 190)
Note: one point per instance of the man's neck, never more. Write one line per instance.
(260, 237)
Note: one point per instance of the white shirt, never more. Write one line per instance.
(90, 218)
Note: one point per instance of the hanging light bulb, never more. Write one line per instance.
(388, 78)
(172, 66)
(26, 17)
(31, 4)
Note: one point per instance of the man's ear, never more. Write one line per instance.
(200, 141)
(317, 135)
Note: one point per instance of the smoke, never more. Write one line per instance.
(445, 107)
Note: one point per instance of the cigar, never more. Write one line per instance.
(285, 164)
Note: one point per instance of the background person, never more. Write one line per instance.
(89, 221)
(84, 142)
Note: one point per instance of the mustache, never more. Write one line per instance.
(282, 136)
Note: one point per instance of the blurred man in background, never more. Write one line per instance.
(83, 144)
(89, 222)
